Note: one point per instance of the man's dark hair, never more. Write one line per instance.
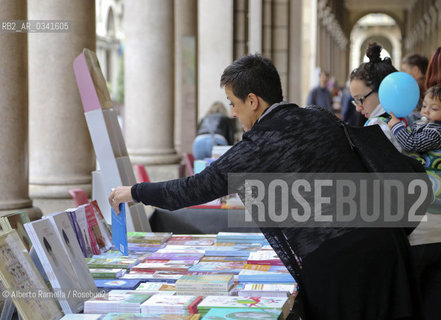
(374, 71)
(253, 74)
(417, 60)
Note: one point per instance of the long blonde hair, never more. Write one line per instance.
(217, 107)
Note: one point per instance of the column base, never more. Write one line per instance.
(53, 198)
(163, 172)
(154, 159)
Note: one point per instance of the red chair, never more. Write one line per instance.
(189, 163)
(79, 196)
(141, 172)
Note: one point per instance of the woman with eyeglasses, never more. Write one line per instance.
(364, 83)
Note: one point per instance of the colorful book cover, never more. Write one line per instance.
(213, 282)
(148, 237)
(240, 236)
(171, 304)
(107, 273)
(264, 257)
(242, 313)
(115, 263)
(184, 249)
(80, 215)
(123, 284)
(18, 273)
(242, 250)
(119, 230)
(16, 221)
(173, 266)
(66, 234)
(94, 230)
(175, 256)
(144, 316)
(218, 267)
(156, 287)
(152, 277)
(106, 231)
(78, 233)
(223, 259)
(267, 289)
(56, 263)
(241, 302)
(265, 274)
(108, 303)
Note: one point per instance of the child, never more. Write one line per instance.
(423, 135)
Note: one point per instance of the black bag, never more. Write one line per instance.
(378, 154)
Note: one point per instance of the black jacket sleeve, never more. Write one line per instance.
(210, 184)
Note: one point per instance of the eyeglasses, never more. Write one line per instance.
(359, 102)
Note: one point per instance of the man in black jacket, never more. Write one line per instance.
(344, 273)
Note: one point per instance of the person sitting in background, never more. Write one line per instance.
(423, 135)
(320, 95)
(216, 128)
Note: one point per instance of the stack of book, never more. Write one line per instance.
(106, 303)
(205, 285)
(265, 274)
(232, 249)
(240, 237)
(268, 257)
(115, 263)
(143, 316)
(192, 240)
(104, 273)
(243, 313)
(162, 304)
(157, 288)
(217, 267)
(157, 238)
(157, 276)
(119, 284)
(168, 266)
(268, 289)
(273, 303)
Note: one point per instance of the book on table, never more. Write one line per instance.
(105, 303)
(19, 275)
(68, 239)
(56, 263)
(171, 304)
(123, 284)
(119, 230)
(242, 313)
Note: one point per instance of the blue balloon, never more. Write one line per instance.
(399, 93)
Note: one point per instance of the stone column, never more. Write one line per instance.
(149, 82)
(255, 26)
(61, 152)
(215, 50)
(295, 52)
(185, 74)
(14, 178)
(280, 41)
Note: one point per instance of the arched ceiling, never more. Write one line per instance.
(394, 8)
